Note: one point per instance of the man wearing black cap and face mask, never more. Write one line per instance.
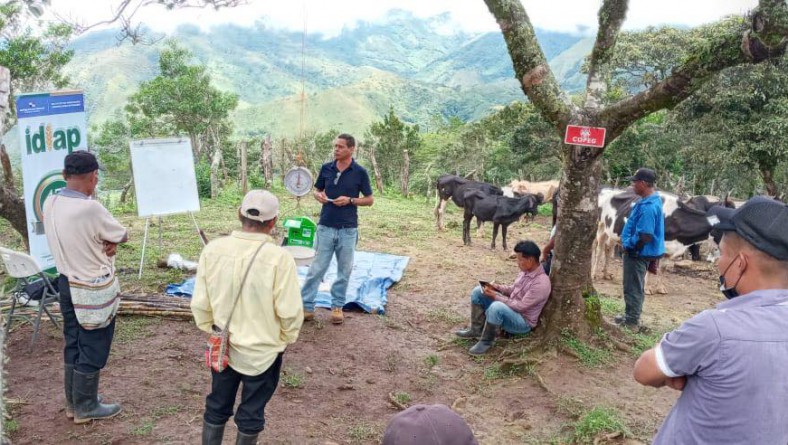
(643, 239)
(731, 363)
(83, 237)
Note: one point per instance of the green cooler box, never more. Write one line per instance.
(300, 231)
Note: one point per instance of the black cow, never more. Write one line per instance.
(501, 210)
(454, 187)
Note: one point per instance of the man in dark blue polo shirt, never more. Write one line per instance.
(337, 187)
(643, 239)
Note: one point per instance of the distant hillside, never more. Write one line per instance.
(350, 79)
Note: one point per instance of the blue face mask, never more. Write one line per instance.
(729, 292)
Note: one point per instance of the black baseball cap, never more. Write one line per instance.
(761, 221)
(80, 162)
(644, 174)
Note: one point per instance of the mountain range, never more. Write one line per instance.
(350, 80)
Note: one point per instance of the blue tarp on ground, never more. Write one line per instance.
(373, 273)
(185, 289)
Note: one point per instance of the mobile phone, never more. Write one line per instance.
(484, 283)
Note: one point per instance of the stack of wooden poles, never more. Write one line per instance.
(155, 305)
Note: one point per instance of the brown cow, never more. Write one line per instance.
(546, 188)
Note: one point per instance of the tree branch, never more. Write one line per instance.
(611, 17)
(126, 10)
(530, 64)
(766, 39)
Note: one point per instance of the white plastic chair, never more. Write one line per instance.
(25, 269)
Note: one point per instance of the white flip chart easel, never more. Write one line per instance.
(164, 181)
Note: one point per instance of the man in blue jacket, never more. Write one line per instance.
(643, 239)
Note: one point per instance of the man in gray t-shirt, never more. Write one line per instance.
(731, 362)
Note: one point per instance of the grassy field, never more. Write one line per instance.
(345, 381)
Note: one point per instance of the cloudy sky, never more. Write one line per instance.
(330, 16)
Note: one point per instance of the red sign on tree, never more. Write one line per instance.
(586, 136)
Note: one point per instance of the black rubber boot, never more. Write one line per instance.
(477, 322)
(68, 378)
(212, 434)
(246, 439)
(84, 394)
(487, 339)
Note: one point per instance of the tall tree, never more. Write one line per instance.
(180, 100)
(35, 62)
(390, 138)
(573, 304)
(744, 114)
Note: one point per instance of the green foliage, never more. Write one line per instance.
(403, 398)
(611, 306)
(743, 112)
(599, 420)
(10, 426)
(390, 138)
(203, 173)
(35, 59)
(112, 143)
(431, 360)
(292, 379)
(363, 433)
(180, 100)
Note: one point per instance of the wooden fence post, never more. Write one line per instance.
(244, 171)
(376, 170)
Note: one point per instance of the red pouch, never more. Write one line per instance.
(217, 352)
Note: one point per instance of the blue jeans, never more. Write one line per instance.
(329, 241)
(500, 314)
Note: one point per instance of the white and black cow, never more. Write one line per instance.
(454, 187)
(705, 203)
(501, 210)
(685, 225)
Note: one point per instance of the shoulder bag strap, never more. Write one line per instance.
(243, 281)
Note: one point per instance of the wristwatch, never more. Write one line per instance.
(351, 201)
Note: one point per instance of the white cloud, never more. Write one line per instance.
(330, 16)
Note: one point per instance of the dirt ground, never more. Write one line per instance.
(338, 379)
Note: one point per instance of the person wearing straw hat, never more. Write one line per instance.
(731, 363)
(247, 285)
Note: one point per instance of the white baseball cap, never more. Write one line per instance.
(260, 205)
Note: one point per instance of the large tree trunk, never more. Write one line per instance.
(12, 207)
(768, 180)
(573, 304)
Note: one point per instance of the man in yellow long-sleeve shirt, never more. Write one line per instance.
(267, 317)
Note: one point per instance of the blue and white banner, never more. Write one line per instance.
(51, 125)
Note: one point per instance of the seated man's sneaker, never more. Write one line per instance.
(309, 316)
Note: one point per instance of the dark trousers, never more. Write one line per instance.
(255, 394)
(87, 350)
(634, 286)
